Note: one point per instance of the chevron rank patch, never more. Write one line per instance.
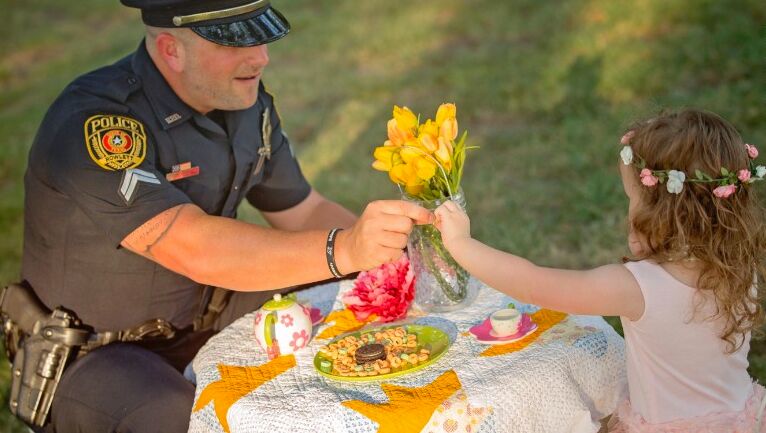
(115, 142)
(130, 179)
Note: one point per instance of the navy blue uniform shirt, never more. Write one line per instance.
(114, 150)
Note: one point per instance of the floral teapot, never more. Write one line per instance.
(282, 326)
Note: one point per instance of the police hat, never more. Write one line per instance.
(235, 23)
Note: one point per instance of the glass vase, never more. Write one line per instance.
(440, 283)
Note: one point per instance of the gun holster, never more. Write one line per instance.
(39, 343)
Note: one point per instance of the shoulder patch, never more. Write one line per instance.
(115, 142)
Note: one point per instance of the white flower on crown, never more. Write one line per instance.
(760, 171)
(627, 155)
(676, 181)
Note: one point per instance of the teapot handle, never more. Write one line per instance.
(268, 329)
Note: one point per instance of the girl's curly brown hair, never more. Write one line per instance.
(725, 234)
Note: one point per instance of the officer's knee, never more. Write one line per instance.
(165, 410)
(122, 388)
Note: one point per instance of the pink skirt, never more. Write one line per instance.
(627, 421)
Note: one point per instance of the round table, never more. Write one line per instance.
(564, 379)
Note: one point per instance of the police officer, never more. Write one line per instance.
(132, 189)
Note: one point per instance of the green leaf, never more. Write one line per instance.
(724, 171)
(699, 174)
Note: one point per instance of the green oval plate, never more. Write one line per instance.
(433, 339)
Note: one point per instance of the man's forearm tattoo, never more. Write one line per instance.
(156, 229)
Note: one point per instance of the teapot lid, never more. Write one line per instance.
(279, 303)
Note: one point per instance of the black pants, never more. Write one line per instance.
(121, 388)
(137, 387)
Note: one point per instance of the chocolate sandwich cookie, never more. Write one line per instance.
(369, 353)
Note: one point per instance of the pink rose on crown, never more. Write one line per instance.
(752, 152)
(725, 191)
(647, 178)
(386, 291)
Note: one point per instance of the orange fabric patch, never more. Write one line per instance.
(545, 320)
(408, 409)
(345, 321)
(236, 382)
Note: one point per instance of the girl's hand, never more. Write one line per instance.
(452, 222)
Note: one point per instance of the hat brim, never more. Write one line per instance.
(267, 26)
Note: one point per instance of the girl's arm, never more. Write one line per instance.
(608, 290)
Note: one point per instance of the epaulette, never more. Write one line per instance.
(115, 82)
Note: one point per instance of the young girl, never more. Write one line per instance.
(689, 299)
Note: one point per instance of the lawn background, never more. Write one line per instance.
(545, 88)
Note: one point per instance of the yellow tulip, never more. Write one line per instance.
(427, 142)
(443, 154)
(447, 144)
(404, 174)
(396, 135)
(445, 112)
(384, 157)
(414, 189)
(429, 127)
(409, 154)
(448, 128)
(381, 166)
(405, 119)
(425, 168)
(384, 153)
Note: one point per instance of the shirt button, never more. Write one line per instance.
(132, 80)
(236, 188)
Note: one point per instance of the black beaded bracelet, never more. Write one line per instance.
(330, 253)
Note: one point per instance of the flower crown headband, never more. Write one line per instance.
(674, 179)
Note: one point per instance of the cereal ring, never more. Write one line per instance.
(422, 357)
(412, 358)
(385, 370)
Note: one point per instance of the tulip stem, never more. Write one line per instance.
(429, 242)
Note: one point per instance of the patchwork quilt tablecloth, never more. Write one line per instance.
(562, 378)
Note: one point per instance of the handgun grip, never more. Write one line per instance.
(22, 306)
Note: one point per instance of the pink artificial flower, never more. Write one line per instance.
(752, 152)
(626, 138)
(386, 291)
(743, 175)
(725, 191)
(647, 178)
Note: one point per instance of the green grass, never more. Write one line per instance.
(544, 88)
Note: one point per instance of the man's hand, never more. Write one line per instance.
(452, 222)
(379, 236)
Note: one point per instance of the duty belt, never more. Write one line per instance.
(40, 344)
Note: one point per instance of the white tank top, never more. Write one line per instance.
(678, 367)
